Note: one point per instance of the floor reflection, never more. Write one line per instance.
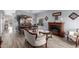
(12, 40)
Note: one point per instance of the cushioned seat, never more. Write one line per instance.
(73, 36)
(39, 41)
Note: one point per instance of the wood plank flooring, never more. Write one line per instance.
(16, 40)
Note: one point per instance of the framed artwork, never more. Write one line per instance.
(73, 15)
(56, 14)
(46, 18)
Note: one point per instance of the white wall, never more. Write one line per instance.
(68, 23)
(1, 21)
(43, 15)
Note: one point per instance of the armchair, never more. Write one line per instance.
(73, 36)
(34, 39)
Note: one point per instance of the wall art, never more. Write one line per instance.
(46, 18)
(73, 15)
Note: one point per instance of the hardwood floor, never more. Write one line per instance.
(58, 42)
(15, 40)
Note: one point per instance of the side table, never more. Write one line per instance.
(48, 35)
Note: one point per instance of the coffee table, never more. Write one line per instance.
(48, 33)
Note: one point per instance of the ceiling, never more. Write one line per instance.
(10, 12)
(34, 11)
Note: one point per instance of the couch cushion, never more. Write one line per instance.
(71, 32)
(72, 35)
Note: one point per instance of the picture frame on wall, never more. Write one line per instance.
(46, 18)
(56, 14)
(73, 15)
